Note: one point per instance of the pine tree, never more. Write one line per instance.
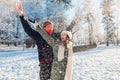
(108, 21)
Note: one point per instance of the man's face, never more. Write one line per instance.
(48, 29)
(63, 36)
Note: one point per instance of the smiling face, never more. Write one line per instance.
(63, 36)
(48, 27)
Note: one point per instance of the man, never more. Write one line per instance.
(45, 52)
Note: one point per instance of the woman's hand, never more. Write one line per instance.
(69, 45)
(19, 8)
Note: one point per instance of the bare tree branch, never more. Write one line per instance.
(75, 20)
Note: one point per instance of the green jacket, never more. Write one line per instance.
(58, 68)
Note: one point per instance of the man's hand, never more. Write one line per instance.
(19, 8)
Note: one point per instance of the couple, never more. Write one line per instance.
(55, 49)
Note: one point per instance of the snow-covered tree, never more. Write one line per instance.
(108, 21)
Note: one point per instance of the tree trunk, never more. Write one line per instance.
(74, 21)
(107, 43)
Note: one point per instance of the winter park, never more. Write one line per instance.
(59, 40)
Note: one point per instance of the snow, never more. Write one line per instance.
(101, 63)
(18, 64)
(11, 47)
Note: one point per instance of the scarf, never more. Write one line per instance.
(61, 50)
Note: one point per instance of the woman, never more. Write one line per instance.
(66, 38)
(62, 50)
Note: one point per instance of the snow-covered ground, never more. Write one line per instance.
(16, 64)
(102, 63)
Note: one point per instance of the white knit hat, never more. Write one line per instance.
(68, 33)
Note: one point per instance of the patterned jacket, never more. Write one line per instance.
(45, 51)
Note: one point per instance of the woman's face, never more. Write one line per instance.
(63, 36)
